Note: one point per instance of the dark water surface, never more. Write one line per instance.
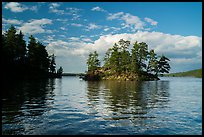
(73, 106)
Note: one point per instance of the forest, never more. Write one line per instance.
(120, 63)
(21, 60)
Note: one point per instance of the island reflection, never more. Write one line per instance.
(115, 100)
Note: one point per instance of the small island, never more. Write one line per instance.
(120, 63)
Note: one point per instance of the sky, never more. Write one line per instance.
(71, 30)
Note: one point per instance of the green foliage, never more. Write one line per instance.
(37, 55)
(153, 63)
(163, 65)
(119, 61)
(106, 59)
(135, 58)
(115, 58)
(118, 57)
(125, 56)
(93, 61)
(139, 56)
(19, 59)
(10, 46)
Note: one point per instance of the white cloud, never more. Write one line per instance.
(34, 8)
(87, 40)
(35, 26)
(184, 50)
(63, 36)
(48, 39)
(131, 21)
(112, 30)
(12, 21)
(106, 29)
(184, 60)
(162, 43)
(74, 12)
(15, 7)
(92, 26)
(63, 28)
(115, 15)
(58, 48)
(66, 49)
(76, 25)
(62, 20)
(151, 21)
(53, 8)
(98, 9)
(73, 38)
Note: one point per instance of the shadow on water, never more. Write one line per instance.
(24, 98)
(128, 99)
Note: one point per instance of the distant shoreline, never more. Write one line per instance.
(73, 74)
(192, 73)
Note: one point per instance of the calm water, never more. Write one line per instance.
(73, 106)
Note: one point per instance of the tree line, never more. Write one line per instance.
(19, 59)
(119, 59)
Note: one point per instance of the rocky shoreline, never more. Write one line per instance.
(105, 75)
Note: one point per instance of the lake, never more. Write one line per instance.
(170, 106)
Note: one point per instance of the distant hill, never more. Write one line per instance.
(192, 73)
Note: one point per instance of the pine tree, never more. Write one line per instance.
(107, 63)
(125, 55)
(93, 61)
(10, 45)
(163, 65)
(135, 58)
(32, 53)
(152, 64)
(115, 59)
(21, 48)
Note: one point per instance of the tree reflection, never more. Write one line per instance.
(124, 96)
(93, 88)
(128, 99)
(26, 98)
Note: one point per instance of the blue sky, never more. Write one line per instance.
(71, 30)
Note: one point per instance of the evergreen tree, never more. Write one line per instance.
(18, 61)
(118, 60)
(152, 64)
(93, 61)
(21, 48)
(42, 58)
(107, 63)
(32, 53)
(125, 55)
(115, 58)
(10, 45)
(135, 58)
(143, 52)
(4, 50)
(163, 65)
